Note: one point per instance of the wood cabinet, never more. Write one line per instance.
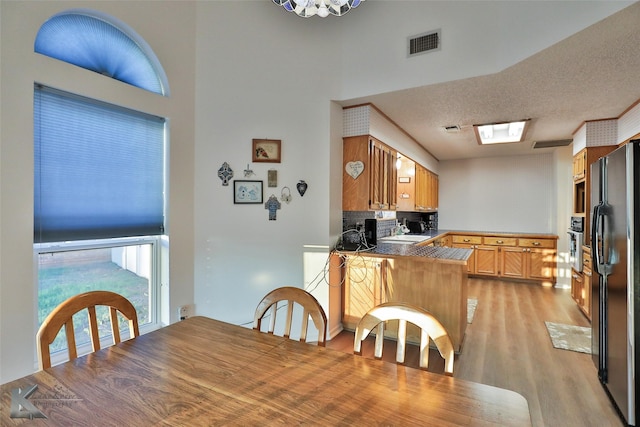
(582, 181)
(467, 242)
(363, 287)
(376, 186)
(581, 283)
(580, 165)
(427, 186)
(510, 257)
(370, 280)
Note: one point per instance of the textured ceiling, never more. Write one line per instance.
(594, 74)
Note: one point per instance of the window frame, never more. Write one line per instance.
(155, 299)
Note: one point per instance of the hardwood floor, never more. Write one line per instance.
(508, 346)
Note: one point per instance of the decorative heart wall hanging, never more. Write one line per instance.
(354, 169)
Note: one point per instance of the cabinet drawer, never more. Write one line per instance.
(500, 241)
(586, 261)
(537, 243)
(471, 240)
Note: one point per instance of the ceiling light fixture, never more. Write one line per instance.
(322, 8)
(501, 133)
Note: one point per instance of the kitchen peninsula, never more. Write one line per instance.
(433, 273)
(434, 278)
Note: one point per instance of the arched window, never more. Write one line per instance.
(101, 43)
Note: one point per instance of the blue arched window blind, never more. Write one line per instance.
(100, 43)
(99, 169)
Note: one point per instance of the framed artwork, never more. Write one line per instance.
(247, 192)
(272, 178)
(267, 150)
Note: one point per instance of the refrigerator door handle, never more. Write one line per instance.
(600, 239)
(595, 238)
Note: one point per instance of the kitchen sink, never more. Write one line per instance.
(404, 238)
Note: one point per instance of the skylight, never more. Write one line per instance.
(500, 133)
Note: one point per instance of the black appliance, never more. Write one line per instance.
(416, 227)
(615, 182)
(371, 232)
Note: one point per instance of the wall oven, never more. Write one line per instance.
(576, 240)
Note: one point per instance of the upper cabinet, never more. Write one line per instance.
(581, 181)
(580, 165)
(377, 177)
(426, 198)
(369, 175)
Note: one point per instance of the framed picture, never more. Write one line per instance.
(266, 150)
(272, 178)
(247, 192)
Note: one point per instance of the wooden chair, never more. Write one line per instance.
(429, 325)
(62, 315)
(311, 307)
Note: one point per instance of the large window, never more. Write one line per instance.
(99, 174)
(99, 201)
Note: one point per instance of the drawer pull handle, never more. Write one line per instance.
(466, 240)
(499, 242)
(536, 243)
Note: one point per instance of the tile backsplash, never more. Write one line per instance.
(350, 220)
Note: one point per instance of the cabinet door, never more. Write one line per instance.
(486, 260)
(433, 192)
(513, 262)
(421, 188)
(541, 264)
(577, 288)
(362, 288)
(376, 175)
(383, 176)
(471, 262)
(356, 191)
(579, 165)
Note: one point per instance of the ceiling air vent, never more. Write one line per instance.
(423, 43)
(552, 143)
(452, 129)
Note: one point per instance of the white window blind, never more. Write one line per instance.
(98, 169)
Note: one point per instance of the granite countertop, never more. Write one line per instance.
(415, 250)
(421, 250)
(418, 250)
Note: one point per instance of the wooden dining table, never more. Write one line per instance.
(201, 372)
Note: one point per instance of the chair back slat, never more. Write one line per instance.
(431, 329)
(62, 316)
(310, 306)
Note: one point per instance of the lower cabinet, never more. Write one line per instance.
(581, 284)
(363, 287)
(510, 257)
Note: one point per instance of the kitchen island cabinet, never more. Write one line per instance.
(434, 278)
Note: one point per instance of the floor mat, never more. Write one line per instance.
(570, 337)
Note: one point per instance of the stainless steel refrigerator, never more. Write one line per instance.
(615, 324)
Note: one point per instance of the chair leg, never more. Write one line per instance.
(379, 340)
(402, 340)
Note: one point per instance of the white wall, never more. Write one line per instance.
(505, 194)
(263, 73)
